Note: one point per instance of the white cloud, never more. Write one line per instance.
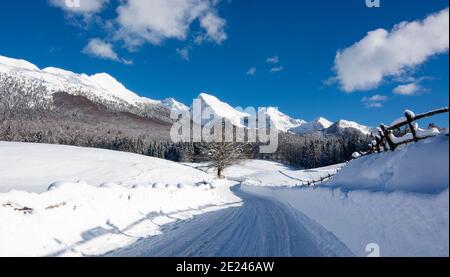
(183, 53)
(408, 89)
(374, 105)
(273, 60)
(81, 7)
(375, 101)
(277, 69)
(214, 26)
(381, 53)
(251, 71)
(375, 98)
(153, 21)
(101, 49)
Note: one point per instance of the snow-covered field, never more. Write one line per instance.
(272, 174)
(398, 200)
(70, 201)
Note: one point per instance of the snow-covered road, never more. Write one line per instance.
(260, 227)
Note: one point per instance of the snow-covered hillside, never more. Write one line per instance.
(397, 200)
(419, 168)
(69, 201)
(100, 86)
(272, 174)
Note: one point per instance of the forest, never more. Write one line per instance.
(28, 113)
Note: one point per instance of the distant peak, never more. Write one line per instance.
(104, 76)
(206, 96)
(57, 71)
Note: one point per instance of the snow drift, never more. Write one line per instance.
(47, 210)
(398, 200)
(421, 167)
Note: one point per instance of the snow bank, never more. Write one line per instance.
(421, 167)
(402, 224)
(130, 197)
(398, 200)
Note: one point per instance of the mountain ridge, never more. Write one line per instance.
(107, 89)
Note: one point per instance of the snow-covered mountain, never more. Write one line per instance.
(317, 125)
(321, 124)
(105, 89)
(348, 126)
(174, 105)
(102, 86)
(282, 121)
(221, 109)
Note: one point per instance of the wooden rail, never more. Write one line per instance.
(384, 141)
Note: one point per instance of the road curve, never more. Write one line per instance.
(261, 227)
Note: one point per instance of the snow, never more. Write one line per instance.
(421, 167)
(318, 124)
(345, 124)
(14, 64)
(401, 224)
(282, 121)
(272, 174)
(261, 227)
(83, 202)
(70, 201)
(398, 120)
(174, 105)
(410, 113)
(22, 167)
(398, 200)
(221, 109)
(420, 133)
(102, 85)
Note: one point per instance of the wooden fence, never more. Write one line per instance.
(384, 139)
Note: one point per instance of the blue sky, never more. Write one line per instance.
(215, 50)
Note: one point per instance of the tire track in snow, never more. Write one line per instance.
(261, 227)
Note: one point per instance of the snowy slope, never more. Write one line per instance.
(317, 125)
(272, 174)
(421, 168)
(97, 200)
(101, 86)
(397, 200)
(22, 167)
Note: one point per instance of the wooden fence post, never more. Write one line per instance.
(377, 147)
(387, 132)
(410, 120)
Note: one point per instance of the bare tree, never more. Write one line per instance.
(221, 155)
